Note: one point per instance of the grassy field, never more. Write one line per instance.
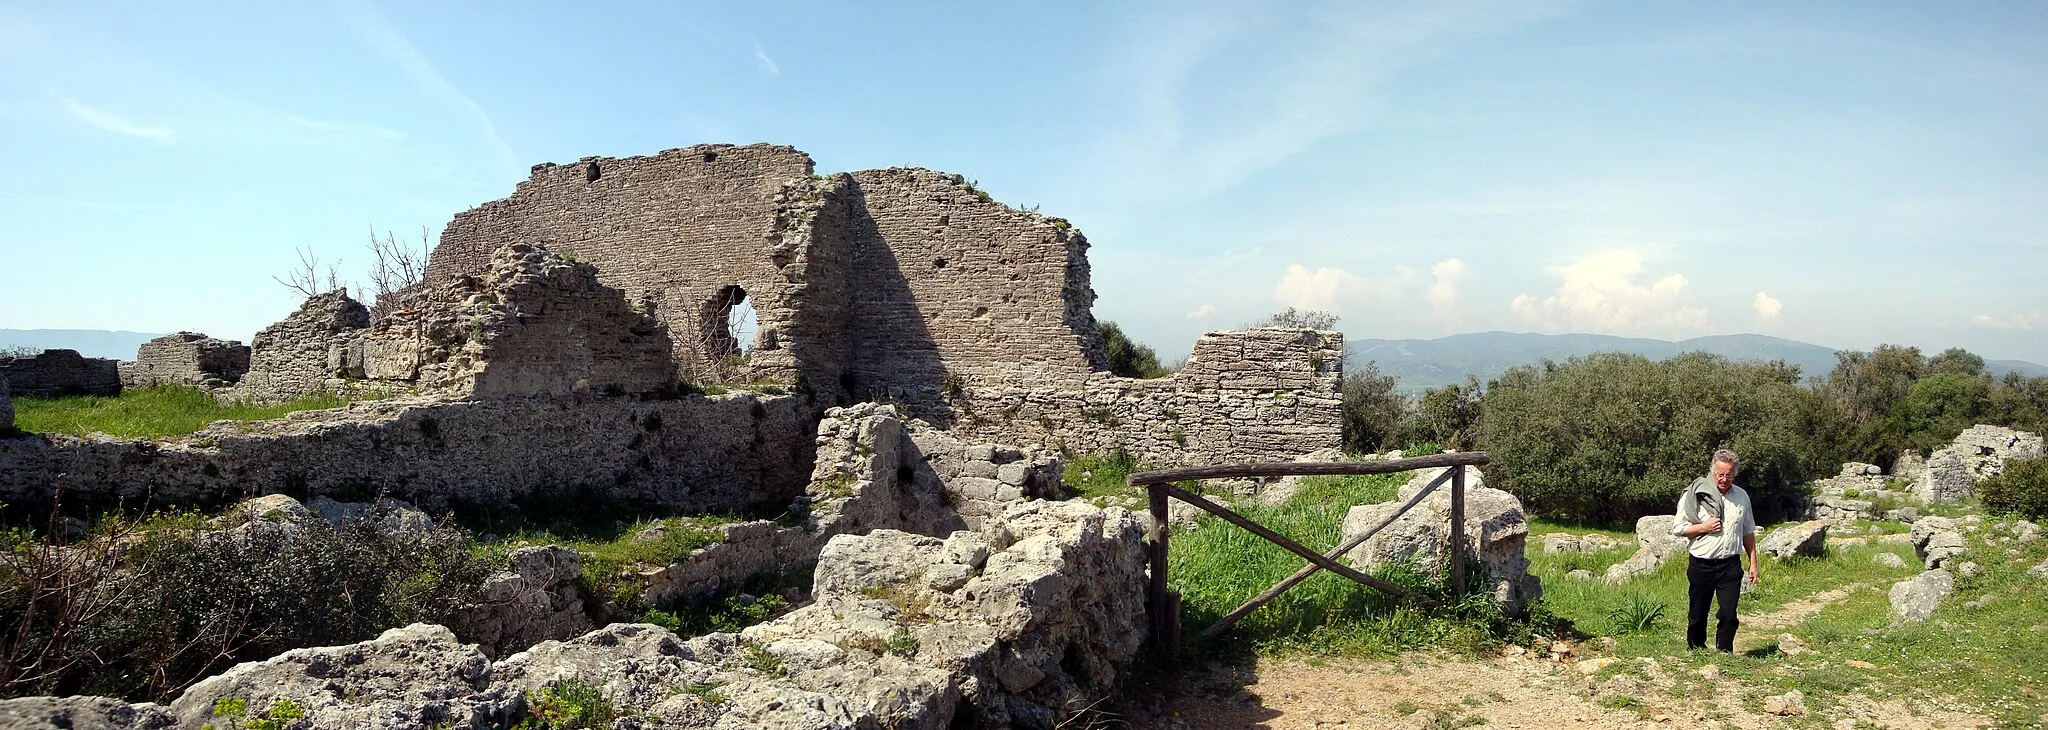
(154, 412)
(1988, 654)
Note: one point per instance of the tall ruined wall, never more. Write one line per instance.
(531, 324)
(187, 358)
(61, 372)
(952, 288)
(303, 353)
(1267, 394)
(696, 453)
(679, 230)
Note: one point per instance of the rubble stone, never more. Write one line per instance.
(186, 358)
(1496, 530)
(1914, 600)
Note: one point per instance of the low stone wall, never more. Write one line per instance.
(186, 358)
(694, 453)
(1266, 394)
(61, 372)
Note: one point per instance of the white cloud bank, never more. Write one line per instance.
(1600, 293)
(1326, 288)
(1767, 307)
(1202, 311)
(1443, 289)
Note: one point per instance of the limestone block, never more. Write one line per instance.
(1496, 530)
(1916, 599)
(1806, 538)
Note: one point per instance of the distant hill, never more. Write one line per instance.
(1420, 364)
(90, 343)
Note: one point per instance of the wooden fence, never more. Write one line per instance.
(1162, 605)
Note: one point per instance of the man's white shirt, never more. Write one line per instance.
(1736, 520)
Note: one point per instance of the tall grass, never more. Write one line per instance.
(154, 412)
(1218, 566)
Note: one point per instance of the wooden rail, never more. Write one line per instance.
(1162, 605)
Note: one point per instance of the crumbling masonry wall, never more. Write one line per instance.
(306, 352)
(901, 284)
(695, 453)
(187, 358)
(61, 372)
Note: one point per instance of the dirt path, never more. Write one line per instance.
(1424, 692)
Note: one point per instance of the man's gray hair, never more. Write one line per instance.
(1726, 455)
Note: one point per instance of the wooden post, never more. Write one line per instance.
(1159, 605)
(1458, 530)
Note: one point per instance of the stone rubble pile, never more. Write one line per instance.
(981, 629)
(1655, 545)
(1977, 454)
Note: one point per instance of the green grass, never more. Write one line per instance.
(1217, 566)
(1989, 657)
(153, 412)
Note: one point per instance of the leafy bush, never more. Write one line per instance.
(1610, 437)
(1372, 411)
(2021, 489)
(142, 615)
(1128, 358)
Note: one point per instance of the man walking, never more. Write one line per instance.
(1714, 515)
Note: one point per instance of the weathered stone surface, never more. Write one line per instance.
(695, 453)
(391, 518)
(1914, 600)
(1977, 454)
(82, 713)
(1790, 703)
(536, 600)
(1580, 574)
(1557, 543)
(1889, 560)
(532, 323)
(1937, 541)
(60, 372)
(303, 353)
(1842, 510)
(1655, 545)
(2039, 571)
(1496, 531)
(187, 358)
(412, 677)
(1806, 538)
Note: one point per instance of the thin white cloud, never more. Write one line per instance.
(1767, 307)
(2022, 322)
(1326, 288)
(1202, 311)
(371, 27)
(362, 130)
(1600, 293)
(112, 123)
(761, 57)
(1192, 131)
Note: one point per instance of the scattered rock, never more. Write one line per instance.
(1889, 560)
(1790, 645)
(1788, 704)
(1915, 600)
(1594, 665)
(1580, 574)
(1496, 531)
(1967, 570)
(1936, 540)
(1710, 672)
(2039, 571)
(1860, 664)
(1558, 542)
(1806, 538)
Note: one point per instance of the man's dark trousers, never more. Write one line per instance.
(1716, 579)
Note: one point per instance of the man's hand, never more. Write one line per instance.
(1709, 527)
(1752, 572)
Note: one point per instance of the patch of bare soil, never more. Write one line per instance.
(1426, 692)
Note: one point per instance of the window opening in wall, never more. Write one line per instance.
(590, 172)
(733, 325)
(710, 157)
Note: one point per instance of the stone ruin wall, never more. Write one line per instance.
(906, 285)
(696, 453)
(61, 372)
(675, 230)
(303, 353)
(186, 358)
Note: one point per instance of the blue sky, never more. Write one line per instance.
(1841, 173)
